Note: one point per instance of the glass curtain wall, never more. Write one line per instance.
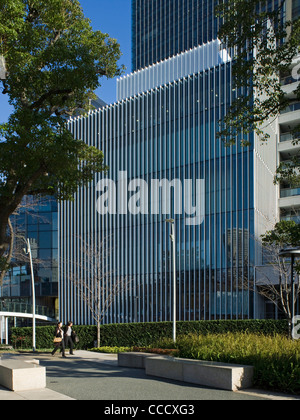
(163, 28)
(167, 133)
(38, 221)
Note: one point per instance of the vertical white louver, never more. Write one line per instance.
(182, 65)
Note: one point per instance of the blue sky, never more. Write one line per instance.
(109, 16)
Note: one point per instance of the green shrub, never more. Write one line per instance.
(276, 359)
(145, 334)
(114, 350)
(45, 336)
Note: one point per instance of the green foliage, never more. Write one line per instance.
(262, 45)
(54, 58)
(21, 341)
(44, 157)
(276, 359)
(54, 61)
(286, 233)
(113, 350)
(145, 334)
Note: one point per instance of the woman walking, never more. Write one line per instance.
(69, 334)
(59, 339)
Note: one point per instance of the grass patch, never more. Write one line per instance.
(113, 350)
(276, 359)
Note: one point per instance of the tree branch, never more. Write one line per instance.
(49, 95)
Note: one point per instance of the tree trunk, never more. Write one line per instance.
(4, 243)
(4, 246)
(98, 334)
(10, 252)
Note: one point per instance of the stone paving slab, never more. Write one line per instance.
(33, 395)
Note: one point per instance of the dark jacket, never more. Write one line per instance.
(58, 333)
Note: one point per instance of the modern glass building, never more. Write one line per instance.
(164, 28)
(38, 221)
(296, 9)
(162, 132)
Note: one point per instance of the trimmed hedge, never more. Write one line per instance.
(145, 334)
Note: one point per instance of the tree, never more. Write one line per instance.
(263, 45)
(96, 284)
(285, 234)
(52, 61)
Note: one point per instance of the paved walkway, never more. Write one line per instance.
(95, 376)
(36, 395)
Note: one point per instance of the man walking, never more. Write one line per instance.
(68, 337)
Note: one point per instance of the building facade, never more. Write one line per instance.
(163, 28)
(37, 220)
(162, 132)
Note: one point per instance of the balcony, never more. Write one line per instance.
(289, 137)
(289, 86)
(290, 115)
(294, 106)
(289, 192)
(289, 198)
(287, 80)
(295, 219)
(289, 145)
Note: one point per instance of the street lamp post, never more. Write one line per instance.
(28, 252)
(291, 253)
(172, 236)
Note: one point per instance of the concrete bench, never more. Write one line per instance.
(212, 374)
(134, 360)
(22, 375)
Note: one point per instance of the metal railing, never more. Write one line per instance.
(289, 137)
(291, 108)
(288, 80)
(26, 308)
(295, 219)
(289, 192)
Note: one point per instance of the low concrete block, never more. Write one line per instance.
(134, 360)
(17, 375)
(211, 374)
(164, 367)
(217, 375)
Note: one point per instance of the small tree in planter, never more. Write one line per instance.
(285, 234)
(94, 281)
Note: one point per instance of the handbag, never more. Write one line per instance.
(74, 337)
(57, 340)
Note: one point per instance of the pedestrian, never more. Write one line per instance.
(59, 341)
(69, 334)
